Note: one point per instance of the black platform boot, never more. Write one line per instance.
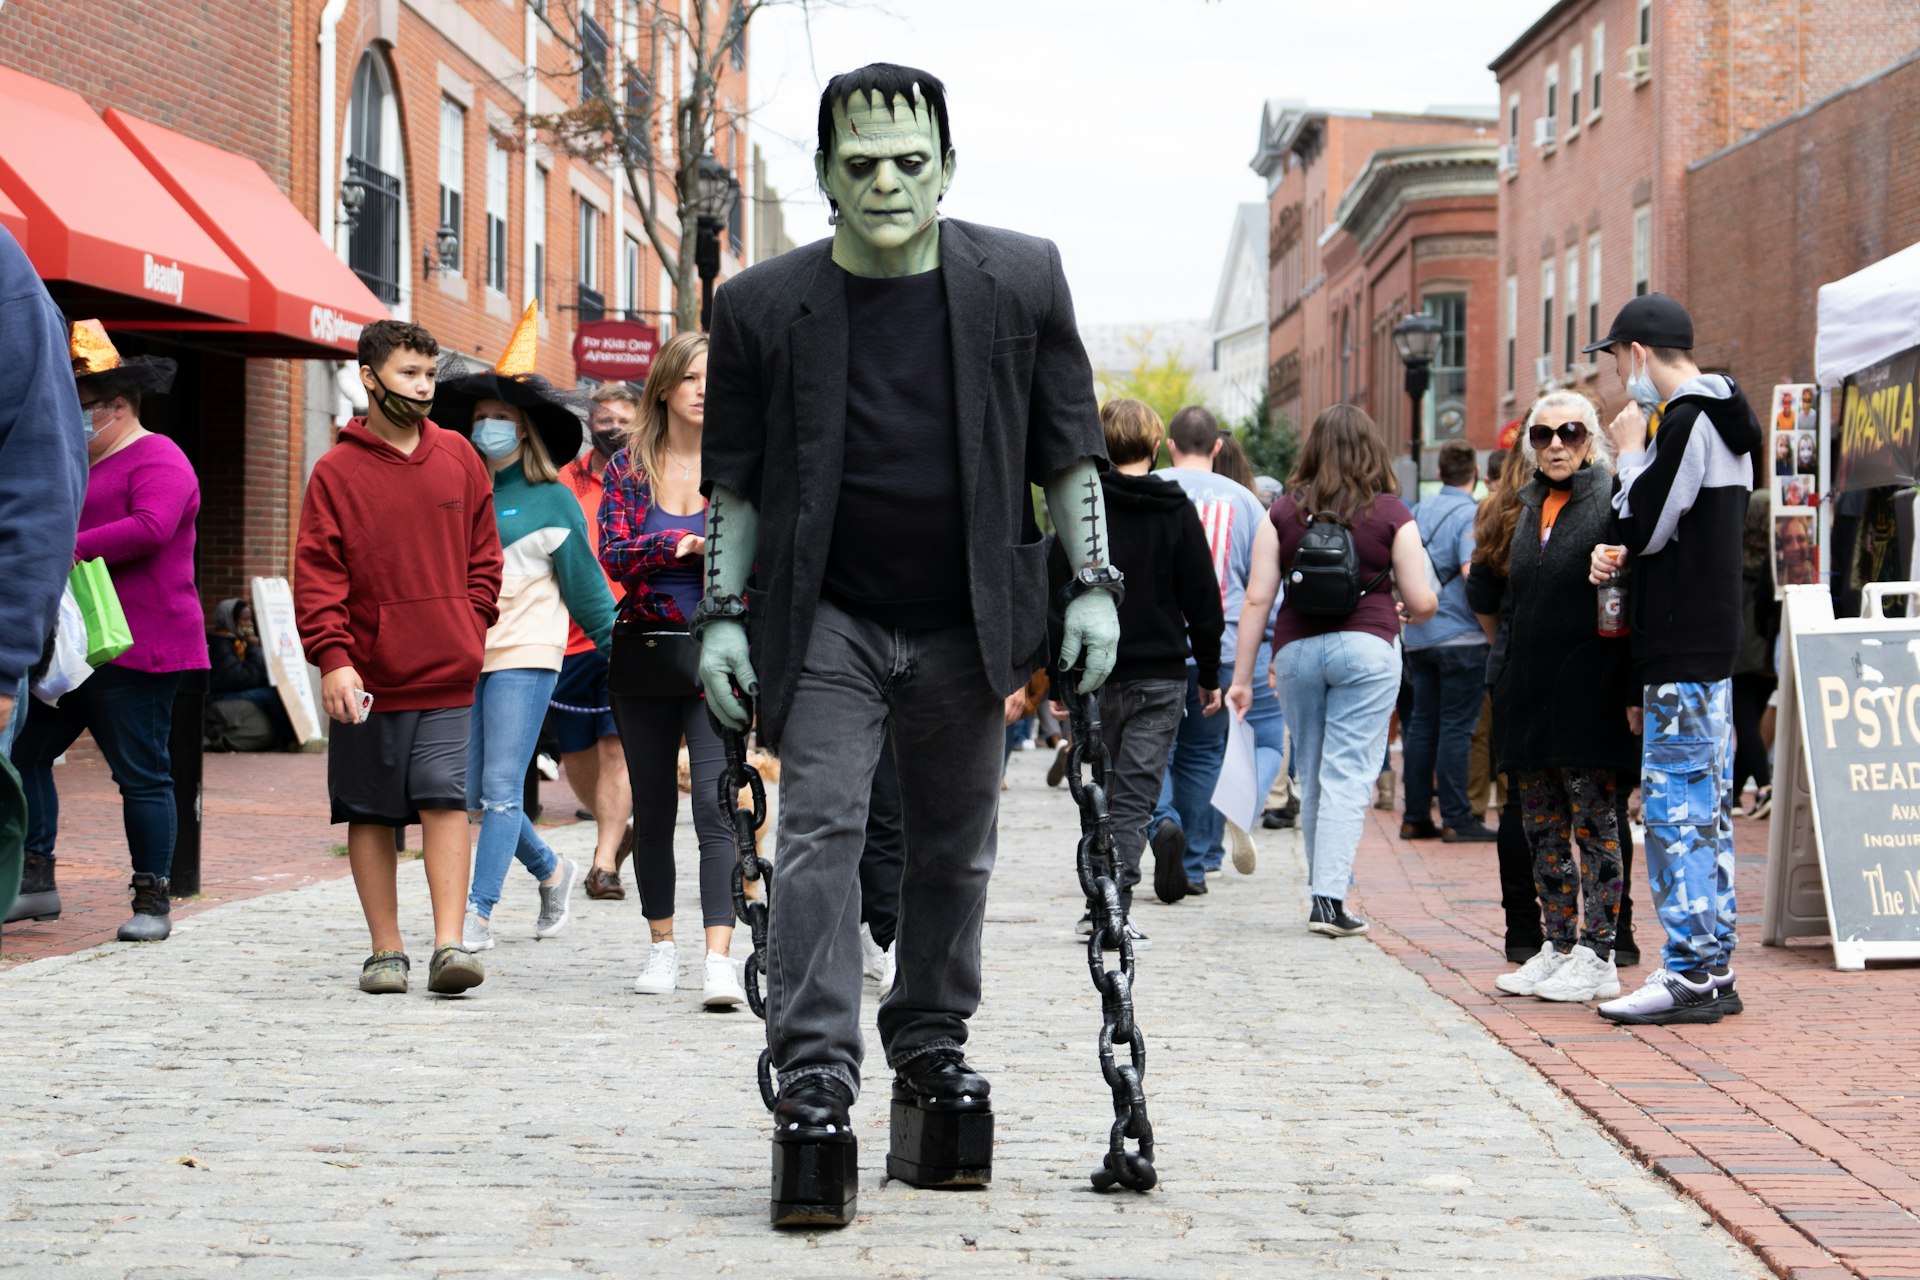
(152, 911)
(816, 1162)
(942, 1130)
(39, 899)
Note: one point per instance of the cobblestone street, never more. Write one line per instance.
(229, 1104)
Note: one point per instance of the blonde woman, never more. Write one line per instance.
(653, 526)
(524, 429)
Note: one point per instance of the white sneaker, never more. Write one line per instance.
(1531, 974)
(889, 970)
(547, 767)
(477, 933)
(723, 989)
(1582, 976)
(873, 957)
(662, 971)
(1242, 846)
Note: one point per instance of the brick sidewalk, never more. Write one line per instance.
(1796, 1124)
(264, 831)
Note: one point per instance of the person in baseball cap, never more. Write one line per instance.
(1679, 501)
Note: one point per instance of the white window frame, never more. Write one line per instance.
(1513, 329)
(1593, 288)
(1552, 108)
(1576, 84)
(1599, 69)
(630, 264)
(499, 204)
(1548, 317)
(1642, 250)
(537, 216)
(1570, 330)
(453, 165)
(591, 220)
(1643, 23)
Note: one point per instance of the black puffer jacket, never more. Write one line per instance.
(1561, 694)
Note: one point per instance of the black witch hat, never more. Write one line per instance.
(554, 414)
(100, 373)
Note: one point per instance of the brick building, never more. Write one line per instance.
(1415, 232)
(1815, 197)
(1605, 106)
(413, 109)
(1321, 347)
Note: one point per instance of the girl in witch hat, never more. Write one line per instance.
(142, 497)
(525, 429)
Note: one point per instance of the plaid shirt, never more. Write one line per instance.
(630, 556)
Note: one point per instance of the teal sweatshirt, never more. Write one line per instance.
(550, 572)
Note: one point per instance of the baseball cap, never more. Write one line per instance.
(1652, 320)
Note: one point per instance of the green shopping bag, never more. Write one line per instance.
(108, 635)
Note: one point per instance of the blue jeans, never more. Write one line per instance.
(1449, 684)
(1269, 726)
(130, 714)
(1686, 797)
(508, 707)
(1338, 690)
(1186, 794)
(21, 698)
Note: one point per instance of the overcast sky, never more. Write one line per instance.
(1120, 129)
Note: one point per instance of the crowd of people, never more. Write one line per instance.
(465, 588)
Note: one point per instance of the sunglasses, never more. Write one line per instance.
(1571, 435)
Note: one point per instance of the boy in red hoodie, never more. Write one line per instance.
(397, 578)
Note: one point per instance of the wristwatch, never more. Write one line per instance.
(1097, 577)
(716, 609)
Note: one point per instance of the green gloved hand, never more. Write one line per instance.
(733, 534)
(724, 667)
(1092, 632)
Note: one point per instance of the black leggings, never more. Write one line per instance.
(650, 732)
(1750, 694)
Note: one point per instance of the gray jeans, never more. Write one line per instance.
(859, 680)
(1138, 719)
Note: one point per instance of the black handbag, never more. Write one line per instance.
(653, 663)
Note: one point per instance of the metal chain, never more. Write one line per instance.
(749, 868)
(1094, 860)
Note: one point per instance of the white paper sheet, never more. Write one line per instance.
(1236, 794)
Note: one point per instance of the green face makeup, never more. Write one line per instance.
(886, 175)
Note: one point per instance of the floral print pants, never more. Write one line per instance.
(1560, 809)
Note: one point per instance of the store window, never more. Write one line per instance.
(375, 162)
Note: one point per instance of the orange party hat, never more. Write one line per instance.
(92, 350)
(517, 360)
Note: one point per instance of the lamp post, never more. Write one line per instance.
(1417, 339)
(715, 191)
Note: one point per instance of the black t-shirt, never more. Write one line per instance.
(899, 549)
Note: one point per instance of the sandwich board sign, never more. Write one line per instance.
(1843, 856)
(286, 660)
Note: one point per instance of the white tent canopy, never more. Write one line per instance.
(1867, 317)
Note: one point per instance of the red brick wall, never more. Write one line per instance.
(1721, 69)
(1808, 202)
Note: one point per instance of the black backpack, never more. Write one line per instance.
(1325, 579)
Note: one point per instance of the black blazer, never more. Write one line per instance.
(1562, 691)
(776, 419)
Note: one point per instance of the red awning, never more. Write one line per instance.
(306, 302)
(106, 235)
(13, 220)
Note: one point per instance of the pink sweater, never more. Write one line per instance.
(138, 517)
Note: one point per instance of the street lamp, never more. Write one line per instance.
(1417, 339)
(443, 256)
(712, 200)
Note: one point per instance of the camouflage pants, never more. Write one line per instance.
(1686, 795)
(1559, 809)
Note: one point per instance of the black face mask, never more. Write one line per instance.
(607, 443)
(402, 411)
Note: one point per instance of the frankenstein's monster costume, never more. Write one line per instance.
(877, 407)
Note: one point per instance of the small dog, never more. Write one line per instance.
(768, 766)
